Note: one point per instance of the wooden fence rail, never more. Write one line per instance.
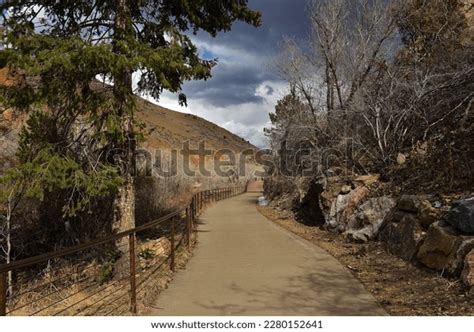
(94, 298)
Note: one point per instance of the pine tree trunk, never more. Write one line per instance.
(8, 251)
(124, 212)
(124, 205)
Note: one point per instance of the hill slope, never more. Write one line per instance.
(170, 129)
(165, 129)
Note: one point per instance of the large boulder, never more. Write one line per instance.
(468, 271)
(368, 218)
(444, 249)
(402, 238)
(461, 216)
(343, 208)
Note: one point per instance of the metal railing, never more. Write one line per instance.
(106, 276)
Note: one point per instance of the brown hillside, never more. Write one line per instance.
(170, 129)
(165, 129)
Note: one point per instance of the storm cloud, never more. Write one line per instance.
(243, 89)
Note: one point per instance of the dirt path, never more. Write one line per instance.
(246, 265)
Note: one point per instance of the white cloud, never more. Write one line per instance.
(229, 54)
(246, 120)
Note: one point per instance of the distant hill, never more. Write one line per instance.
(169, 129)
(165, 129)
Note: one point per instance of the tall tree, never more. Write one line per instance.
(56, 49)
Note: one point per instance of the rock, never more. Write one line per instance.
(361, 235)
(369, 217)
(403, 238)
(439, 247)
(427, 214)
(395, 215)
(303, 184)
(444, 249)
(461, 216)
(401, 159)
(262, 201)
(409, 203)
(344, 206)
(467, 275)
(345, 189)
(366, 180)
(332, 189)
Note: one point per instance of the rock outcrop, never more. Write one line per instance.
(468, 271)
(461, 216)
(402, 235)
(419, 205)
(403, 230)
(427, 214)
(444, 249)
(368, 218)
(344, 207)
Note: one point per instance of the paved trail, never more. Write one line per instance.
(246, 265)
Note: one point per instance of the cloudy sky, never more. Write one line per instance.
(243, 89)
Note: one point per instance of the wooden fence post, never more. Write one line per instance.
(133, 273)
(196, 211)
(3, 294)
(196, 204)
(188, 229)
(200, 201)
(172, 245)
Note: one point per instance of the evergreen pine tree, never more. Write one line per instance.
(55, 50)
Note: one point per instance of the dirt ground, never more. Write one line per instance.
(401, 288)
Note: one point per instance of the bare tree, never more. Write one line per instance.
(351, 39)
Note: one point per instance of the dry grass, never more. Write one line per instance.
(76, 289)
